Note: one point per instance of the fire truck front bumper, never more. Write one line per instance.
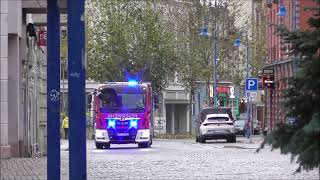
(101, 136)
(139, 136)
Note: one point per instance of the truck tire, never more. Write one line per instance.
(144, 145)
(107, 145)
(99, 145)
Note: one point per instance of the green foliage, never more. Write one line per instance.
(301, 139)
(196, 54)
(128, 36)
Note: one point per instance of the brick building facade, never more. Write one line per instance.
(284, 66)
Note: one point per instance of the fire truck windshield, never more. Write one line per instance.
(124, 101)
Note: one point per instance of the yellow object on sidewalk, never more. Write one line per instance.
(65, 123)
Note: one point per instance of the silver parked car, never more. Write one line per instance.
(215, 123)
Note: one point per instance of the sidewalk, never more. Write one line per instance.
(242, 142)
(64, 145)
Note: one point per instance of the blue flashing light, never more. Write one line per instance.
(111, 123)
(134, 123)
(132, 83)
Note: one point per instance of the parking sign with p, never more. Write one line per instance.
(251, 84)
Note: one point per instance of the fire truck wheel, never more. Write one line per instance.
(99, 145)
(144, 145)
(107, 146)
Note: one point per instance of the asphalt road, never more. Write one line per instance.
(169, 159)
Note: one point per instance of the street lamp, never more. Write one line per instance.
(237, 43)
(282, 9)
(204, 33)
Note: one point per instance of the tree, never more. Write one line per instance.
(301, 139)
(198, 52)
(129, 38)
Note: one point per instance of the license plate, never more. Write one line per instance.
(122, 123)
(123, 134)
(215, 131)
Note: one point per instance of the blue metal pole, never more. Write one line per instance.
(53, 91)
(76, 86)
(249, 99)
(247, 39)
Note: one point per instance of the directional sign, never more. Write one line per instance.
(251, 84)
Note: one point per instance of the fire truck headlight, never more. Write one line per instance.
(145, 134)
(100, 133)
(133, 123)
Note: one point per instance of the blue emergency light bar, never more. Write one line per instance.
(132, 83)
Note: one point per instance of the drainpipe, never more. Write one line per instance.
(32, 102)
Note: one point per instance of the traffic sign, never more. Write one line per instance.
(251, 84)
(291, 120)
(252, 94)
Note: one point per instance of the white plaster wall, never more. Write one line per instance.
(4, 147)
(15, 17)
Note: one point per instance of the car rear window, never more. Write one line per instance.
(214, 110)
(218, 119)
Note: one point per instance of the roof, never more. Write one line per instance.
(125, 87)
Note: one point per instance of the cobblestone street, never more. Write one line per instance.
(169, 159)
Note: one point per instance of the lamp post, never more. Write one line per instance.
(204, 33)
(249, 104)
(238, 44)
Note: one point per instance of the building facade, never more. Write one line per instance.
(278, 60)
(23, 123)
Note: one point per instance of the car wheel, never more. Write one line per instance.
(233, 139)
(99, 145)
(197, 139)
(228, 139)
(201, 140)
